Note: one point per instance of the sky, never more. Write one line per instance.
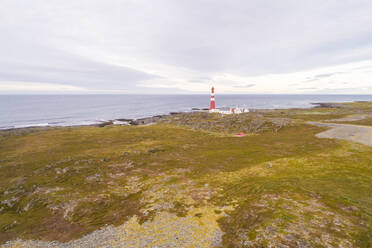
(185, 46)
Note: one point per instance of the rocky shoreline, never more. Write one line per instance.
(154, 119)
(327, 105)
(140, 121)
(120, 121)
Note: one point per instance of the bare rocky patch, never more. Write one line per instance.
(198, 229)
(288, 221)
(254, 122)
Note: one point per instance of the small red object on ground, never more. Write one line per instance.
(241, 134)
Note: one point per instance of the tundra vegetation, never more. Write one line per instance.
(279, 185)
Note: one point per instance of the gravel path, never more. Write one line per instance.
(355, 133)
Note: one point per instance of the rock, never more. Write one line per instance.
(290, 237)
(62, 171)
(271, 229)
(175, 113)
(327, 105)
(247, 243)
(270, 165)
(147, 120)
(106, 123)
(10, 202)
(125, 120)
(28, 206)
(133, 122)
(63, 161)
(349, 208)
(10, 226)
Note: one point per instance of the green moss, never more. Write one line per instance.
(101, 175)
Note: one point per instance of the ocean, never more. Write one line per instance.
(17, 111)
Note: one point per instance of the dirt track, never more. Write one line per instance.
(355, 133)
(355, 117)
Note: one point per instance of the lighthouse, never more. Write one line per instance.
(224, 110)
(213, 105)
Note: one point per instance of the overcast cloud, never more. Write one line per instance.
(171, 46)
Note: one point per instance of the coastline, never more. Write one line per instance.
(155, 118)
(17, 112)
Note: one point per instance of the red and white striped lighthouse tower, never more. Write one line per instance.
(213, 105)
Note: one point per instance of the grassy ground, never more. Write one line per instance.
(277, 185)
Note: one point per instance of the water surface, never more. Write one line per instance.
(65, 110)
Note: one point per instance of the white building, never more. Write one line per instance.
(228, 110)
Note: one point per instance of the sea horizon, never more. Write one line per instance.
(19, 111)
